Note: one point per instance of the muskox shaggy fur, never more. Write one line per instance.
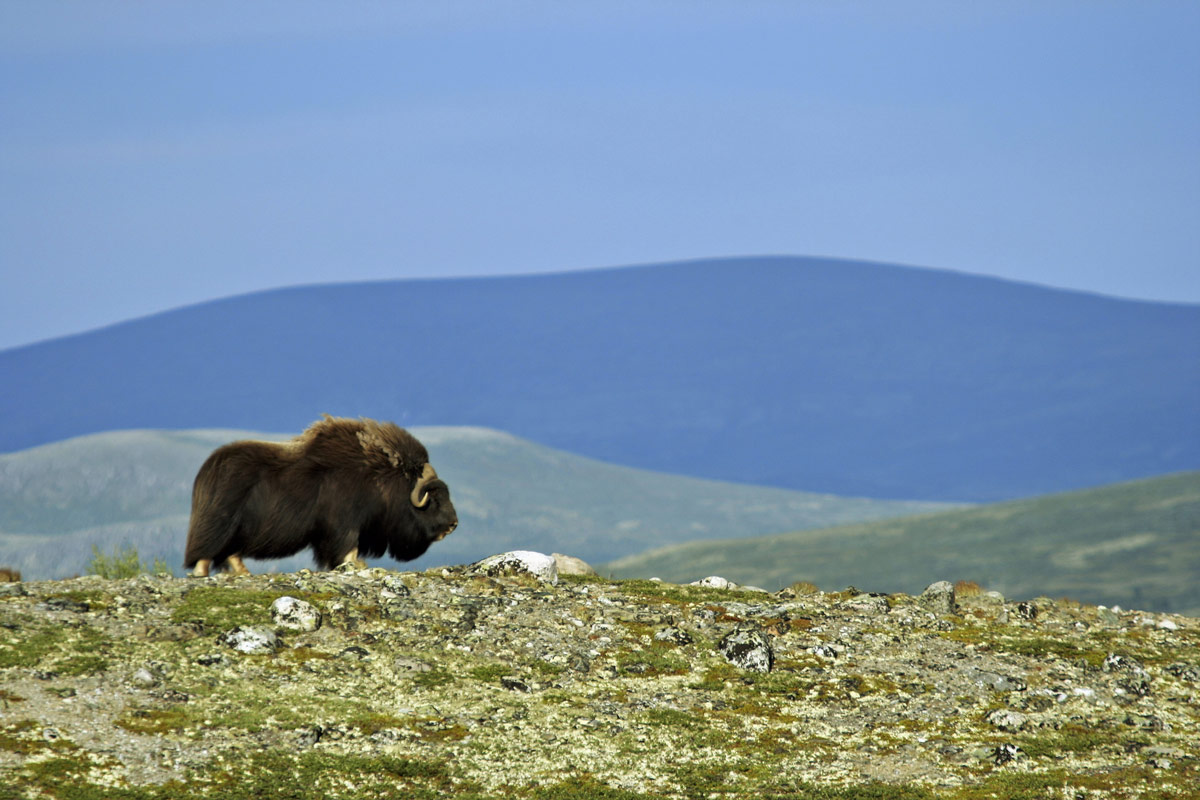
(346, 488)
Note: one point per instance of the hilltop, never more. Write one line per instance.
(134, 488)
(839, 377)
(481, 683)
(1133, 544)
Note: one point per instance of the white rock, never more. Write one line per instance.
(295, 614)
(1167, 624)
(712, 582)
(540, 565)
(144, 678)
(252, 640)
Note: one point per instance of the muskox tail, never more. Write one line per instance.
(218, 494)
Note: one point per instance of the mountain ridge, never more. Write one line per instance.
(823, 375)
(1129, 544)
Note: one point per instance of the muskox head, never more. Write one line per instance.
(430, 499)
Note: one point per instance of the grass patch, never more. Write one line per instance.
(1073, 739)
(657, 659)
(490, 673)
(433, 679)
(676, 594)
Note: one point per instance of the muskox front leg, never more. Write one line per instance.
(353, 559)
(203, 567)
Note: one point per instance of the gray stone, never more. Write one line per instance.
(673, 635)
(251, 639)
(939, 598)
(999, 683)
(749, 649)
(295, 614)
(410, 665)
(570, 565)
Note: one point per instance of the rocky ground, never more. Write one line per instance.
(479, 682)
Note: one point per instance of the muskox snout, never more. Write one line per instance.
(448, 531)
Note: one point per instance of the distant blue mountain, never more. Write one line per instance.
(833, 376)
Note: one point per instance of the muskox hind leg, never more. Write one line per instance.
(235, 565)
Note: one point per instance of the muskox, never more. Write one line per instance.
(346, 488)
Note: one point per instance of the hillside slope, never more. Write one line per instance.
(1134, 544)
(842, 377)
(134, 487)
(467, 684)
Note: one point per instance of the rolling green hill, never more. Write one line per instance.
(1132, 544)
(58, 500)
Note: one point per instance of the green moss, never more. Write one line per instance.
(154, 721)
(223, 608)
(81, 665)
(27, 647)
(12, 741)
(586, 788)
(70, 651)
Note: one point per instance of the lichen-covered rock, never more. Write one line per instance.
(1007, 720)
(674, 636)
(539, 565)
(295, 614)
(864, 603)
(251, 639)
(749, 649)
(939, 598)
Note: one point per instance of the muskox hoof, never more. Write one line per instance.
(203, 567)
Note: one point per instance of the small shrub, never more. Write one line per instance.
(123, 563)
(10, 575)
(967, 589)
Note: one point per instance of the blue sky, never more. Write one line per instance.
(155, 155)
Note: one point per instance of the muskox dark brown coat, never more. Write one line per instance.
(346, 488)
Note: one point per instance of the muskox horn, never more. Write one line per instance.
(420, 497)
